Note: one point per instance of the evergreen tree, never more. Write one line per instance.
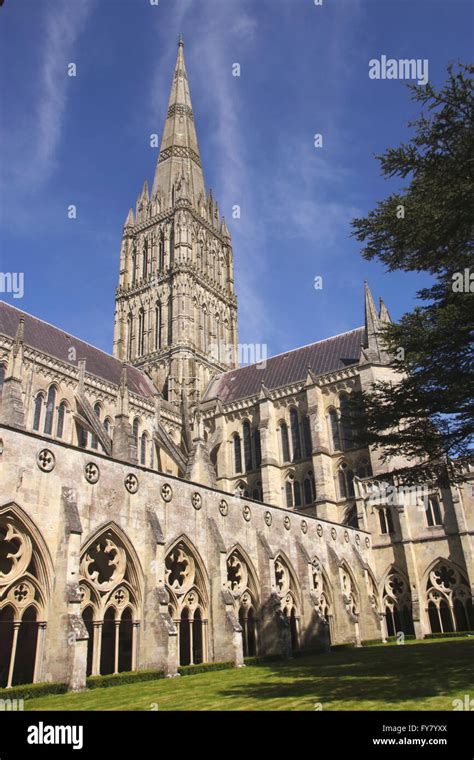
(428, 227)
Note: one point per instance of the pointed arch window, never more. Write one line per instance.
(189, 603)
(364, 469)
(141, 332)
(307, 442)
(134, 266)
(161, 252)
(129, 336)
(286, 590)
(295, 434)
(342, 485)
(82, 437)
(397, 604)
(145, 260)
(111, 603)
(297, 493)
(386, 520)
(108, 426)
(50, 407)
(350, 517)
(346, 481)
(433, 512)
(135, 426)
(143, 448)
(24, 605)
(449, 599)
(60, 419)
(257, 448)
(172, 248)
(158, 326)
(39, 400)
(334, 430)
(346, 421)
(94, 439)
(293, 492)
(2, 377)
(285, 443)
(247, 445)
(309, 489)
(237, 454)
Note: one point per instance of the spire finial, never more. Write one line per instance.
(180, 40)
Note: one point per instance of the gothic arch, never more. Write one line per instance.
(350, 589)
(322, 594)
(243, 584)
(42, 556)
(111, 582)
(449, 605)
(187, 583)
(396, 602)
(288, 590)
(26, 578)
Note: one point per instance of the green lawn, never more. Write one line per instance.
(424, 675)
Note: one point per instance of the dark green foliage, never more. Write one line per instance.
(205, 667)
(452, 635)
(33, 690)
(429, 413)
(119, 679)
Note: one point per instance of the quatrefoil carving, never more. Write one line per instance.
(91, 472)
(166, 492)
(131, 483)
(45, 460)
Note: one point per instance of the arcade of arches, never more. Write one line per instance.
(111, 594)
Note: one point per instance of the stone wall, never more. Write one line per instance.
(148, 514)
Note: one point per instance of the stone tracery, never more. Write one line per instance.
(110, 604)
(449, 599)
(23, 598)
(187, 588)
(243, 585)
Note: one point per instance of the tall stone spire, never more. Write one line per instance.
(179, 152)
(175, 306)
(373, 349)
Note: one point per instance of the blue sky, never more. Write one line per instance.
(304, 70)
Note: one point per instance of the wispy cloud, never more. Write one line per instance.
(34, 154)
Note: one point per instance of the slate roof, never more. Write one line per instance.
(291, 367)
(55, 342)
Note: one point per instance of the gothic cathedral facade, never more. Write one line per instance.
(163, 506)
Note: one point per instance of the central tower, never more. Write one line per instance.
(175, 307)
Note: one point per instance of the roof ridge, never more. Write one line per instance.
(59, 329)
(289, 351)
(307, 345)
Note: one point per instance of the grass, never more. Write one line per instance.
(420, 675)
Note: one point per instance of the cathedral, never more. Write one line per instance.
(161, 506)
